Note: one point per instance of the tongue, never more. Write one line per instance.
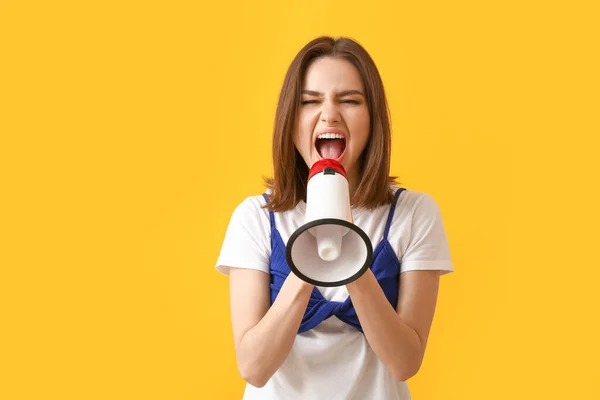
(331, 148)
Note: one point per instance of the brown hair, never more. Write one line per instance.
(289, 182)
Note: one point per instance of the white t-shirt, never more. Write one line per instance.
(334, 360)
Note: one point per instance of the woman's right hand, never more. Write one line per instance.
(264, 333)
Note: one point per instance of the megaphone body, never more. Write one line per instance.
(328, 249)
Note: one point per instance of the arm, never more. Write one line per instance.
(264, 335)
(398, 337)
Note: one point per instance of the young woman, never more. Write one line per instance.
(358, 341)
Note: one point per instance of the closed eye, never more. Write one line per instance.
(343, 101)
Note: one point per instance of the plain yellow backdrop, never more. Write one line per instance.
(131, 130)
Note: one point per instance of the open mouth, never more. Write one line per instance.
(331, 145)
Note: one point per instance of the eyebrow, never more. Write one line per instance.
(340, 94)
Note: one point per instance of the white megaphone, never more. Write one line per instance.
(328, 250)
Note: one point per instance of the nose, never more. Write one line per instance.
(329, 113)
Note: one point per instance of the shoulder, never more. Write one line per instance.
(418, 234)
(246, 243)
(412, 200)
(252, 207)
(252, 203)
(251, 215)
(415, 206)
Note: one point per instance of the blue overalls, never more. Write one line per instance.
(385, 267)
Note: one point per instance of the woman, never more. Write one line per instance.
(296, 341)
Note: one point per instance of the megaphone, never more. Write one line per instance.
(328, 249)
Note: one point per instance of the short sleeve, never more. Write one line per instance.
(428, 245)
(247, 239)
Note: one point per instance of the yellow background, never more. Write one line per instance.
(131, 130)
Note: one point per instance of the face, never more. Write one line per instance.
(333, 118)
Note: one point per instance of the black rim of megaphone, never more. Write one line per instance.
(324, 221)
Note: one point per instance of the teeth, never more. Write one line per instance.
(330, 136)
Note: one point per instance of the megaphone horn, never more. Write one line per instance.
(328, 249)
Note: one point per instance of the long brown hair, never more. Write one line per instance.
(289, 182)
